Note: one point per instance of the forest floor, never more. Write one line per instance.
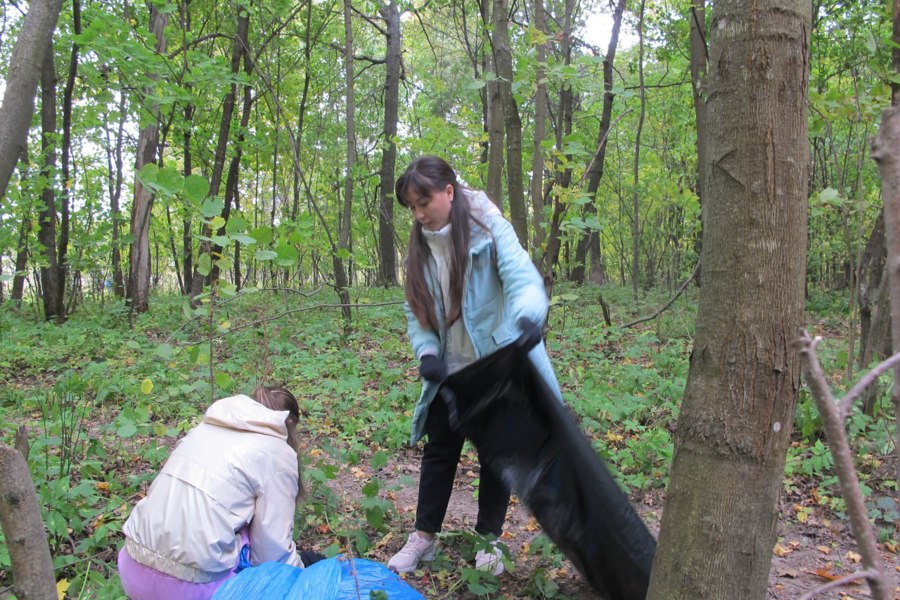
(812, 548)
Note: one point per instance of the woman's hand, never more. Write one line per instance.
(432, 368)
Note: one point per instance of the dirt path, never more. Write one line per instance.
(807, 554)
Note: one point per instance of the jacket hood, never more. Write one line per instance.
(243, 413)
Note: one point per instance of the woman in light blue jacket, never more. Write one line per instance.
(470, 289)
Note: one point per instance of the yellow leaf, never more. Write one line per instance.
(614, 437)
(103, 485)
(146, 386)
(780, 550)
(824, 549)
(62, 586)
(854, 557)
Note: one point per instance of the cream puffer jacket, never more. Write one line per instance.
(233, 469)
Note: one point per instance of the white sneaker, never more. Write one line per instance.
(490, 560)
(417, 549)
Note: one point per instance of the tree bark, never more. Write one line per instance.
(493, 115)
(540, 126)
(699, 60)
(138, 290)
(26, 539)
(512, 122)
(595, 169)
(562, 178)
(718, 526)
(341, 280)
(636, 168)
(387, 259)
(52, 283)
(238, 48)
(34, 41)
(886, 152)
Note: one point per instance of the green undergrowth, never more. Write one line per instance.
(105, 396)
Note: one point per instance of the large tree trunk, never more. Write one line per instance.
(636, 168)
(718, 526)
(52, 283)
(387, 259)
(513, 124)
(26, 538)
(138, 291)
(34, 41)
(595, 169)
(884, 152)
(699, 60)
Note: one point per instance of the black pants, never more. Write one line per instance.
(439, 461)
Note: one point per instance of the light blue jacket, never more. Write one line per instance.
(502, 285)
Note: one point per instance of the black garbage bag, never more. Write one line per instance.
(523, 432)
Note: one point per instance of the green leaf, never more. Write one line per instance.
(262, 235)
(223, 380)
(195, 188)
(204, 264)
(169, 181)
(266, 255)
(221, 240)
(212, 207)
(371, 488)
(127, 428)
(287, 255)
(236, 224)
(165, 351)
(379, 459)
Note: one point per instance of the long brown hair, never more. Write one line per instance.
(423, 177)
(279, 398)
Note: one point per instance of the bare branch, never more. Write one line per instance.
(839, 582)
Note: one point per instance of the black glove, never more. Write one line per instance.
(310, 558)
(433, 368)
(531, 333)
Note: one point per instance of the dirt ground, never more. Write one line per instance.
(808, 554)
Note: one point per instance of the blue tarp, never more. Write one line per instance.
(337, 578)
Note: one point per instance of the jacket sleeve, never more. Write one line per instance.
(272, 527)
(523, 286)
(423, 341)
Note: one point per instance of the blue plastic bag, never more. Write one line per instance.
(336, 578)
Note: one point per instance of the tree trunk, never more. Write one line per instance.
(52, 283)
(237, 50)
(34, 41)
(66, 155)
(115, 177)
(699, 61)
(636, 168)
(540, 126)
(138, 291)
(18, 286)
(595, 169)
(496, 136)
(341, 281)
(884, 152)
(718, 526)
(512, 123)
(387, 260)
(562, 179)
(26, 539)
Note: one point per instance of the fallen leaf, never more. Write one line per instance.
(780, 550)
(324, 528)
(532, 525)
(824, 549)
(825, 574)
(854, 557)
(62, 586)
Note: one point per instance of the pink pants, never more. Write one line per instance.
(143, 583)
